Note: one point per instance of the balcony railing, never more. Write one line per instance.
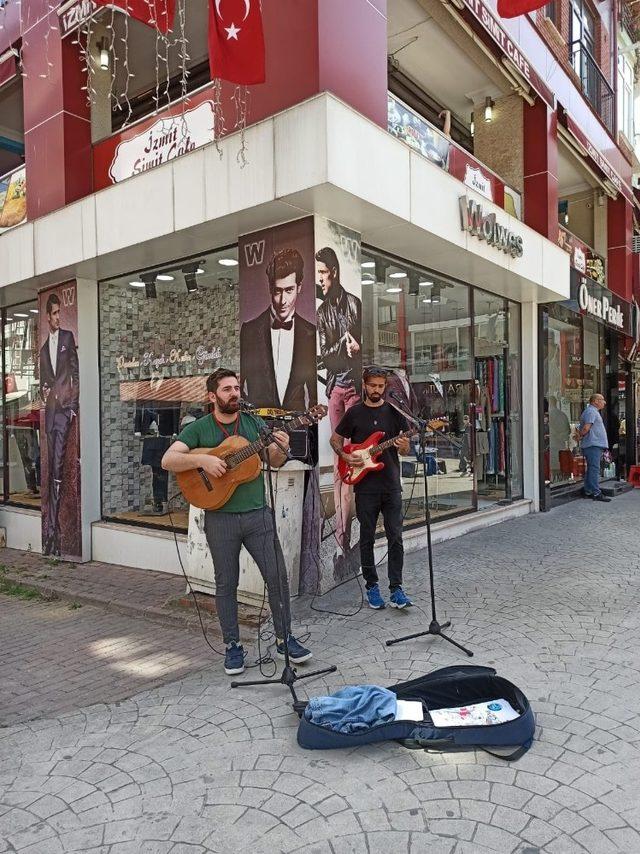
(594, 84)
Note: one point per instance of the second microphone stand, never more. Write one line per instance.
(289, 675)
(435, 628)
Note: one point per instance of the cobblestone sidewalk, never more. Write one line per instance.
(193, 766)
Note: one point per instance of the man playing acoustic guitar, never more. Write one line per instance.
(379, 491)
(245, 520)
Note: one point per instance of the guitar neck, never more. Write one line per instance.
(377, 449)
(259, 444)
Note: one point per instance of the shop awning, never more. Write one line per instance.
(604, 172)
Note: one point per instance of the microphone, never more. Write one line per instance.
(245, 404)
(401, 401)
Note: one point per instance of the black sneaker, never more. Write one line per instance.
(601, 497)
(234, 659)
(297, 652)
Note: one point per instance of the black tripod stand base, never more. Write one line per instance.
(434, 629)
(288, 677)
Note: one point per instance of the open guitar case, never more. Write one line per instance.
(449, 687)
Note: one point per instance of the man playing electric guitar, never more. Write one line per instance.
(380, 491)
(245, 520)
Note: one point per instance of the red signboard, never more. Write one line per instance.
(509, 48)
(108, 154)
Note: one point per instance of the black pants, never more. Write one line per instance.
(368, 508)
(160, 484)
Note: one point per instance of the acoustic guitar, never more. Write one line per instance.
(243, 464)
(369, 451)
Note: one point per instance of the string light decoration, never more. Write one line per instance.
(107, 30)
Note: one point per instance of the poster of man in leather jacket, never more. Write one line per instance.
(339, 323)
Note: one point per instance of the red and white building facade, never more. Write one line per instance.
(474, 175)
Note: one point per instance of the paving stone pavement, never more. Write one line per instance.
(193, 766)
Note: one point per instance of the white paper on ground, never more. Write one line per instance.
(409, 710)
(476, 714)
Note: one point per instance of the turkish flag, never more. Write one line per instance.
(236, 41)
(513, 8)
(154, 13)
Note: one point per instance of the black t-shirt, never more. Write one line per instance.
(358, 423)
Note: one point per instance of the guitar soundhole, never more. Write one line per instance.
(205, 480)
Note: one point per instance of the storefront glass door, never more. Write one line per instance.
(20, 436)
(497, 372)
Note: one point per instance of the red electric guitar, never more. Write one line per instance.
(369, 451)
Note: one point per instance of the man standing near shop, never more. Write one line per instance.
(340, 337)
(378, 491)
(59, 388)
(594, 442)
(245, 520)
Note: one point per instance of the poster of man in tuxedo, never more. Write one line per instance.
(59, 391)
(277, 316)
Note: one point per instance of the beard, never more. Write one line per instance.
(374, 398)
(228, 408)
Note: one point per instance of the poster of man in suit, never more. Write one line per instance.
(277, 316)
(59, 390)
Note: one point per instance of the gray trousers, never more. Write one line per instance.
(226, 533)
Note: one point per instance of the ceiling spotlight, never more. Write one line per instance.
(164, 277)
(190, 272)
(137, 284)
(426, 284)
(34, 310)
(149, 280)
(370, 281)
(394, 290)
(488, 109)
(397, 275)
(472, 126)
(104, 54)
(228, 262)
(368, 264)
(427, 299)
(20, 314)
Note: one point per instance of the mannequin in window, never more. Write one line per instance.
(156, 423)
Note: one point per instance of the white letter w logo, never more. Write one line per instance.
(254, 253)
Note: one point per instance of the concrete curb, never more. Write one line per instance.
(51, 592)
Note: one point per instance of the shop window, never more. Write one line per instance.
(421, 326)
(162, 332)
(21, 407)
(497, 370)
(563, 399)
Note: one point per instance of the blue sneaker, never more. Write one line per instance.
(374, 598)
(297, 652)
(234, 659)
(399, 599)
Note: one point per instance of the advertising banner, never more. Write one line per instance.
(13, 199)
(59, 427)
(277, 317)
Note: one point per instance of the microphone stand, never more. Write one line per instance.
(435, 628)
(289, 675)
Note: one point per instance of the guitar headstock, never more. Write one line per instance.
(315, 414)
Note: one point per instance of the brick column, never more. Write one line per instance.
(540, 128)
(619, 241)
(56, 115)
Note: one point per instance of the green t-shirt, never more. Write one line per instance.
(205, 433)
